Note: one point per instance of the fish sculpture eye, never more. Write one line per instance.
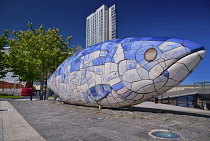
(150, 54)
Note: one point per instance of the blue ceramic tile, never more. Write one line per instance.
(146, 43)
(150, 65)
(103, 53)
(126, 94)
(166, 74)
(126, 46)
(112, 52)
(63, 76)
(97, 62)
(156, 43)
(136, 44)
(83, 80)
(75, 65)
(118, 86)
(108, 59)
(130, 54)
(126, 40)
(193, 46)
(103, 46)
(131, 64)
(176, 40)
(169, 47)
(99, 92)
(96, 48)
(85, 96)
(142, 62)
(139, 57)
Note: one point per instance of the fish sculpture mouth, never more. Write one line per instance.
(187, 63)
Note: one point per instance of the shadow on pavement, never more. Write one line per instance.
(153, 110)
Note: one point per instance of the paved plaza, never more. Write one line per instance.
(53, 121)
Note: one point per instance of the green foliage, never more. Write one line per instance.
(35, 51)
(3, 42)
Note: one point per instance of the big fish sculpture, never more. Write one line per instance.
(125, 72)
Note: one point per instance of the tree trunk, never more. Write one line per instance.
(42, 86)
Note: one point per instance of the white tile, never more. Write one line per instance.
(155, 71)
(118, 57)
(114, 67)
(159, 85)
(84, 87)
(114, 81)
(122, 67)
(174, 53)
(98, 79)
(115, 94)
(191, 60)
(202, 53)
(149, 88)
(132, 95)
(143, 73)
(177, 68)
(91, 82)
(135, 86)
(122, 91)
(138, 97)
(127, 84)
(170, 82)
(131, 76)
(119, 49)
(170, 62)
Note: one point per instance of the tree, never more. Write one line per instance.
(3, 42)
(35, 52)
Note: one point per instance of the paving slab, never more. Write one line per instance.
(15, 127)
(56, 121)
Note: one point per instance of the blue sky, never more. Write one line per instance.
(188, 19)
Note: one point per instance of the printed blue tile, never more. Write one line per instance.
(99, 61)
(103, 46)
(176, 40)
(126, 46)
(150, 65)
(126, 40)
(103, 53)
(112, 52)
(166, 74)
(169, 47)
(118, 86)
(156, 43)
(193, 46)
(98, 92)
(85, 96)
(130, 54)
(136, 44)
(131, 64)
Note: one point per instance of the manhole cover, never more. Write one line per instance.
(163, 134)
(98, 118)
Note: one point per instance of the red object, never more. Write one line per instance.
(27, 90)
